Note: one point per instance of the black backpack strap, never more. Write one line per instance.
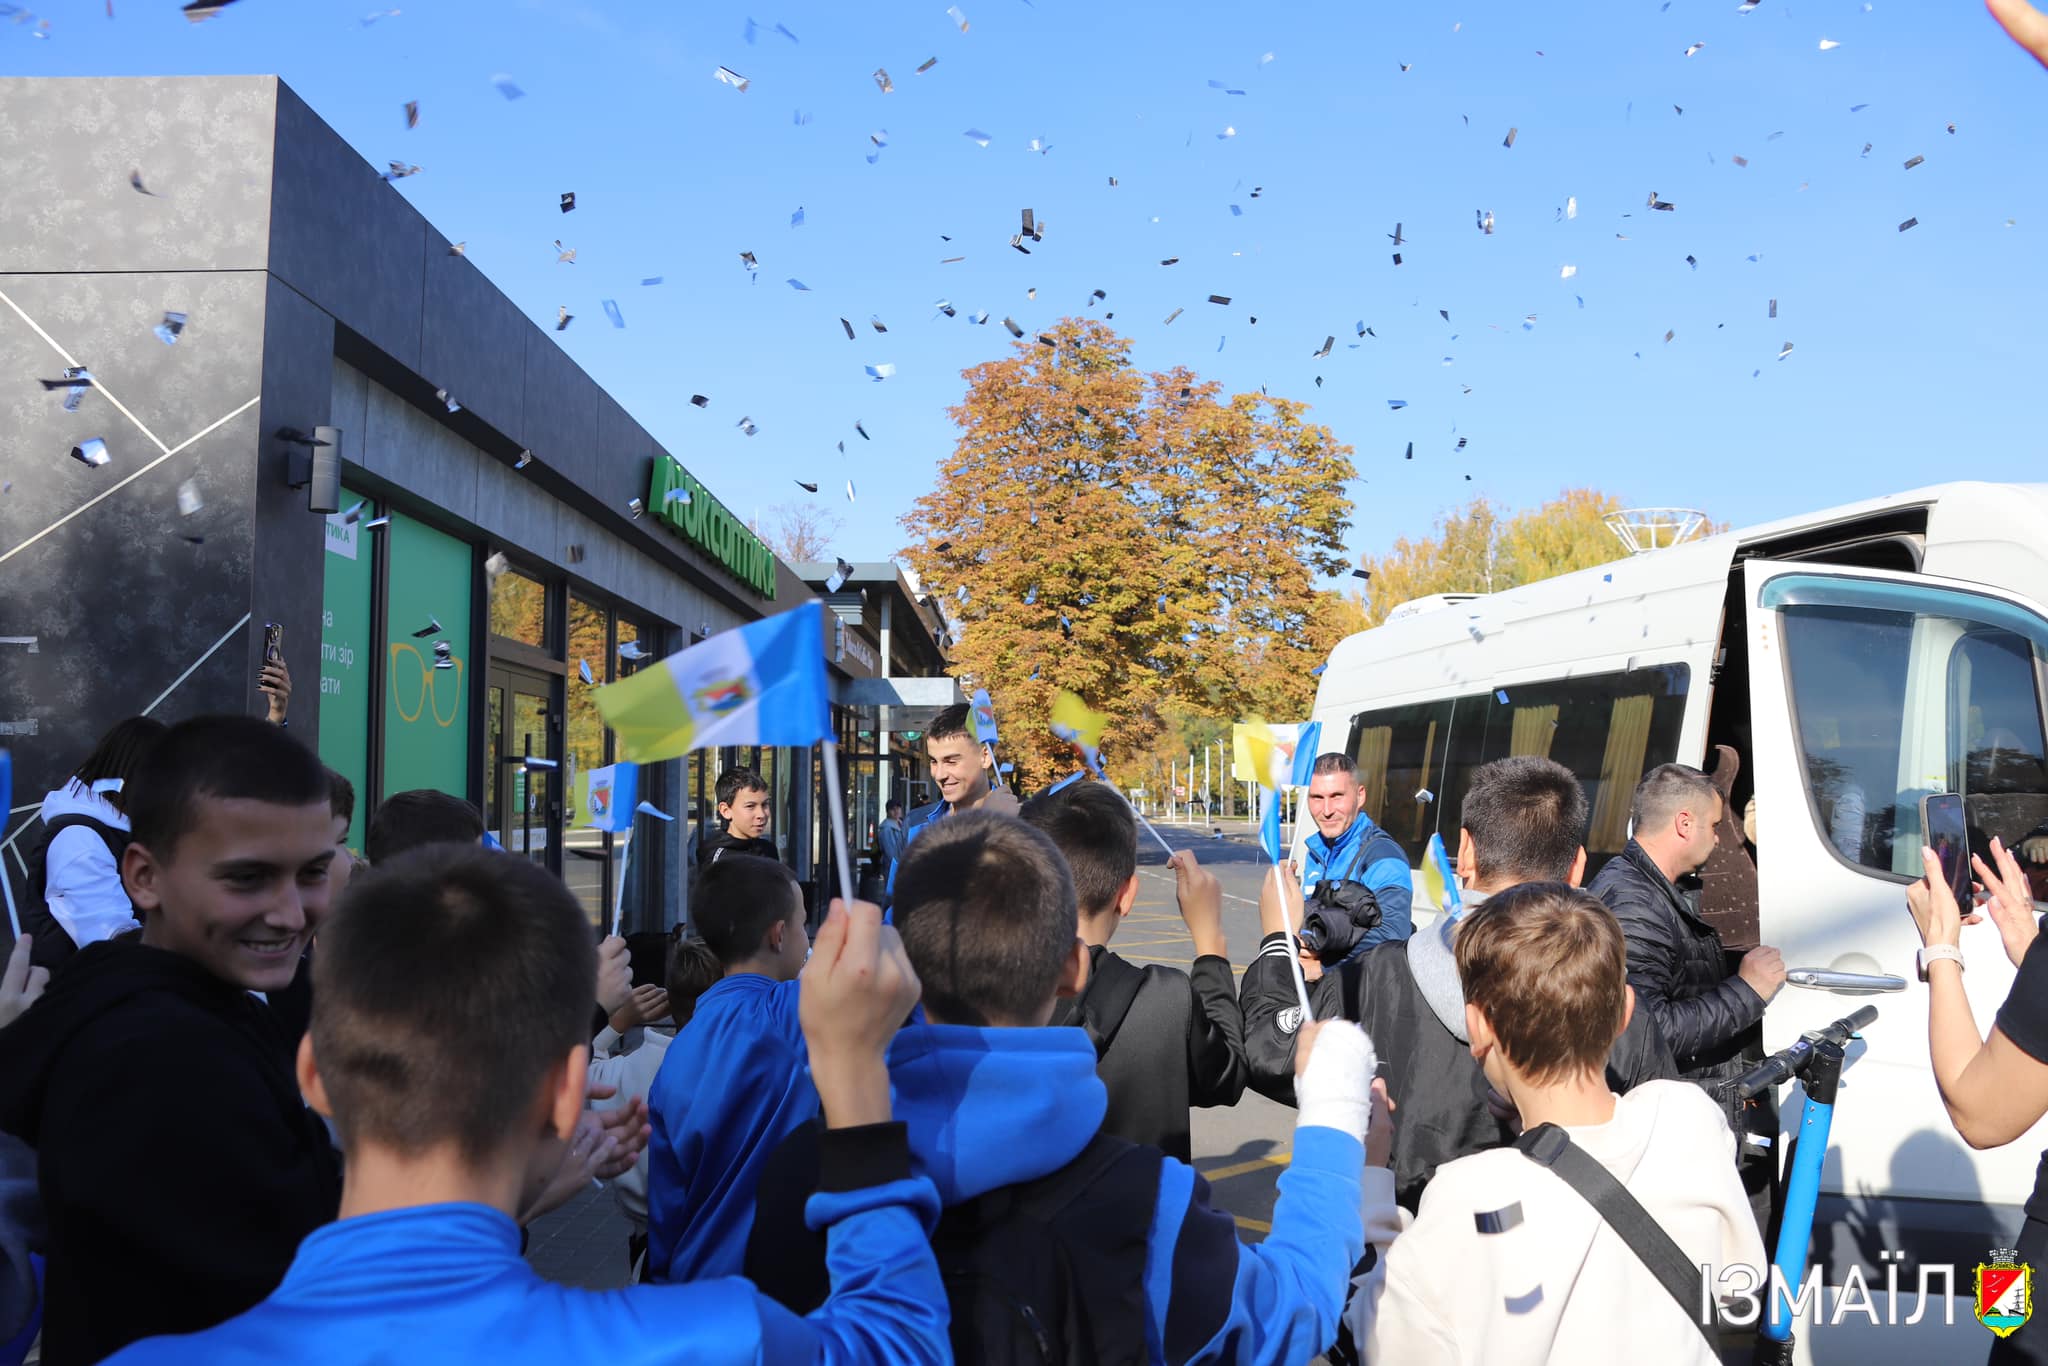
(1550, 1146)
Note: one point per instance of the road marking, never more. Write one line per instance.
(1215, 1174)
(1253, 1225)
(1227, 896)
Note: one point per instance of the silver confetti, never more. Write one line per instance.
(91, 452)
(727, 76)
(169, 329)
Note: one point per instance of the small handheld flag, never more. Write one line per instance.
(1440, 879)
(981, 721)
(762, 684)
(1307, 749)
(1079, 727)
(607, 798)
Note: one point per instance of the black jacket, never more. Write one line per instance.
(1429, 1071)
(1164, 1040)
(725, 842)
(178, 1165)
(1676, 965)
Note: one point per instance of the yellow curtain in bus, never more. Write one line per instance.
(1422, 812)
(1621, 768)
(1373, 748)
(1535, 728)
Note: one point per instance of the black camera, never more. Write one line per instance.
(1337, 916)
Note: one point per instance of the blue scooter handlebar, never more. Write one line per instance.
(1788, 1063)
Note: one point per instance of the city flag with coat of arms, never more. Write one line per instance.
(762, 684)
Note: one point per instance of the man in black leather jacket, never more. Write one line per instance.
(1675, 960)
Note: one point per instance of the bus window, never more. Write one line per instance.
(1608, 729)
(1893, 704)
(1998, 755)
(1400, 754)
(1467, 750)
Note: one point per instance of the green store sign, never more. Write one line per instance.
(704, 522)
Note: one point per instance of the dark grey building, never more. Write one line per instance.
(505, 540)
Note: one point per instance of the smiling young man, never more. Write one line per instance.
(179, 1166)
(962, 770)
(1356, 876)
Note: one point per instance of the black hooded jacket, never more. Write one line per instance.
(1164, 1040)
(1680, 973)
(178, 1165)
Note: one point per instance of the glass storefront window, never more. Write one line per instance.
(584, 852)
(519, 609)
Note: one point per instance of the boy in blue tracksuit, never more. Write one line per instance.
(455, 1100)
(995, 1101)
(1348, 848)
(733, 1084)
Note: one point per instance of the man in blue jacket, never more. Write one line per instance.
(455, 1098)
(1125, 1259)
(1348, 857)
(964, 772)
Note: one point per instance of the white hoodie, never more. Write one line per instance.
(1560, 1285)
(81, 882)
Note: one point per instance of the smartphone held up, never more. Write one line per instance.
(1943, 828)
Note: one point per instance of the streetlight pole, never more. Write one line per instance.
(1207, 814)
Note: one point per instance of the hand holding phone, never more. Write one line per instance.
(1943, 829)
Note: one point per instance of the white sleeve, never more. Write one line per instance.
(83, 887)
(1390, 1319)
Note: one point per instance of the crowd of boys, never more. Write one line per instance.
(304, 1113)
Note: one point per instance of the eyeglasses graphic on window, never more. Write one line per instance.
(421, 682)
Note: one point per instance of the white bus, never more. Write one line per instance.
(1857, 660)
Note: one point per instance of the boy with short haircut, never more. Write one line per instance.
(179, 1164)
(732, 1085)
(455, 1097)
(1113, 1247)
(1164, 1039)
(1546, 993)
(407, 820)
(744, 804)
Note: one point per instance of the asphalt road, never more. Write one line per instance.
(1241, 1150)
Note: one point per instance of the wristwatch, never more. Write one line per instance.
(1935, 953)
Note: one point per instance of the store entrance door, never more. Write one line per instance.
(523, 790)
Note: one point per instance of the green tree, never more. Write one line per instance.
(1138, 539)
(1475, 550)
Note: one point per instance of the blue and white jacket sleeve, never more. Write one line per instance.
(1211, 1298)
(888, 1303)
(1383, 866)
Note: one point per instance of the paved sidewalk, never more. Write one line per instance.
(582, 1244)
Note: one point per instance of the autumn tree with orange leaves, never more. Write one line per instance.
(1139, 539)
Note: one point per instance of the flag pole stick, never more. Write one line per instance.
(619, 892)
(1295, 914)
(835, 806)
(1147, 824)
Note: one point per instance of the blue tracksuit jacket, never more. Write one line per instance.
(1365, 853)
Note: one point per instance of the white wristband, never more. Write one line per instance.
(1335, 1090)
(1935, 953)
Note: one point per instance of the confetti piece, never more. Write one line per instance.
(888, 87)
(976, 136)
(746, 424)
(1395, 404)
(880, 372)
(400, 170)
(650, 280)
(1171, 316)
(953, 13)
(1911, 162)
(929, 63)
(563, 318)
(412, 114)
(798, 285)
(509, 90)
(1509, 140)
(1828, 45)
(727, 76)
(1909, 223)
(796, 220)
(91, 452)
(611, 310)
(1785, 351)
(1694, 48)
(564, 255)
(1566, 272)
(525, 459)
(1774, 308)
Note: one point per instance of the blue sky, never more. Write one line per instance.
(1916, 355)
